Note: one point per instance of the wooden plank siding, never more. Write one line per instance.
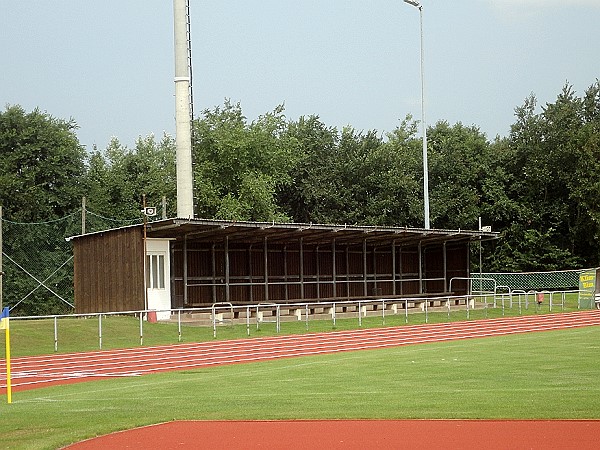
(109, 271)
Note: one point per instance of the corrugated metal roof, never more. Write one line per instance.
(254, 232)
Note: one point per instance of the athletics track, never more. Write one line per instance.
(41, 371)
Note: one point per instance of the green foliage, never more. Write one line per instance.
(239, 165)
(42, 177)
(118, 177)
(458, 160)
(41, 165)
(350, 176)
(553, 184)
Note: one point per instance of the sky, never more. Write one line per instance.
(109, 64)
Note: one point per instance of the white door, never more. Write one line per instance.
(158, 286)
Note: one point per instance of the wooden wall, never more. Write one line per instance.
(109, 271)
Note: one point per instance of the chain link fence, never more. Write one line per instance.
(526, 281)
(38, 261)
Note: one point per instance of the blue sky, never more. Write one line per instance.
(108, 64)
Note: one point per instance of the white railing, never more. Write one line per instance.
(226, 313)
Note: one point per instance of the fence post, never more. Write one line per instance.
(359, 314)
(1, 272)
(100, 330)
(179, 325)
(55, 334)
(248, 320)
(141, 328)
(333, 313)
(306, 317)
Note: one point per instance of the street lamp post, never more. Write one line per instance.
(418, 5)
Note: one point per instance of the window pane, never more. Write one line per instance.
(148, 271)
(161, 271)
(154, 271)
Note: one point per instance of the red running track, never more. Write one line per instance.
(41, 371)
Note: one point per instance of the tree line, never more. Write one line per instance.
(539, 186)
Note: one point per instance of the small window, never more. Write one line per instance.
(155, 271)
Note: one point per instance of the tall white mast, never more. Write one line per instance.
(183, 131)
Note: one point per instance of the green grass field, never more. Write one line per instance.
(529, 376)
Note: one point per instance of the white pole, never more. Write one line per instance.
(418, 5)
(183, 136)
(55, 334)
(424, 125)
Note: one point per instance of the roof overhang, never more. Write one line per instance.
(256, 232)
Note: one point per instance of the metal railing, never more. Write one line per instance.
(220, 314)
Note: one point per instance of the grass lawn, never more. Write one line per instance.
(541, 375)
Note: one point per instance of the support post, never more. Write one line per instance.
(318, 272)
(266, 253)
(145, 250)
(185, 271)
(420, 268)
(394, 267)
(301, 268)
(334, 269)
(83, 206)
(347, 271)
(227, 293)
(375, 284)
(445, 256)
(400, 259)
(214, 273)
(250, 296)
(365, 287)
(285, 272)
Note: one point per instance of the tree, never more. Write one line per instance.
(304, 197)
(41, 165)
(553, 173)
(41, 174)
(458, 167)
(118, 177)
(350, 176)
(239, 166)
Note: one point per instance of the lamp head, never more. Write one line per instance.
(415, 3)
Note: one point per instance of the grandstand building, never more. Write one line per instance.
(185, 263)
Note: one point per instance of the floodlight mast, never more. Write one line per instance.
(418, 5)
(183, 125)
